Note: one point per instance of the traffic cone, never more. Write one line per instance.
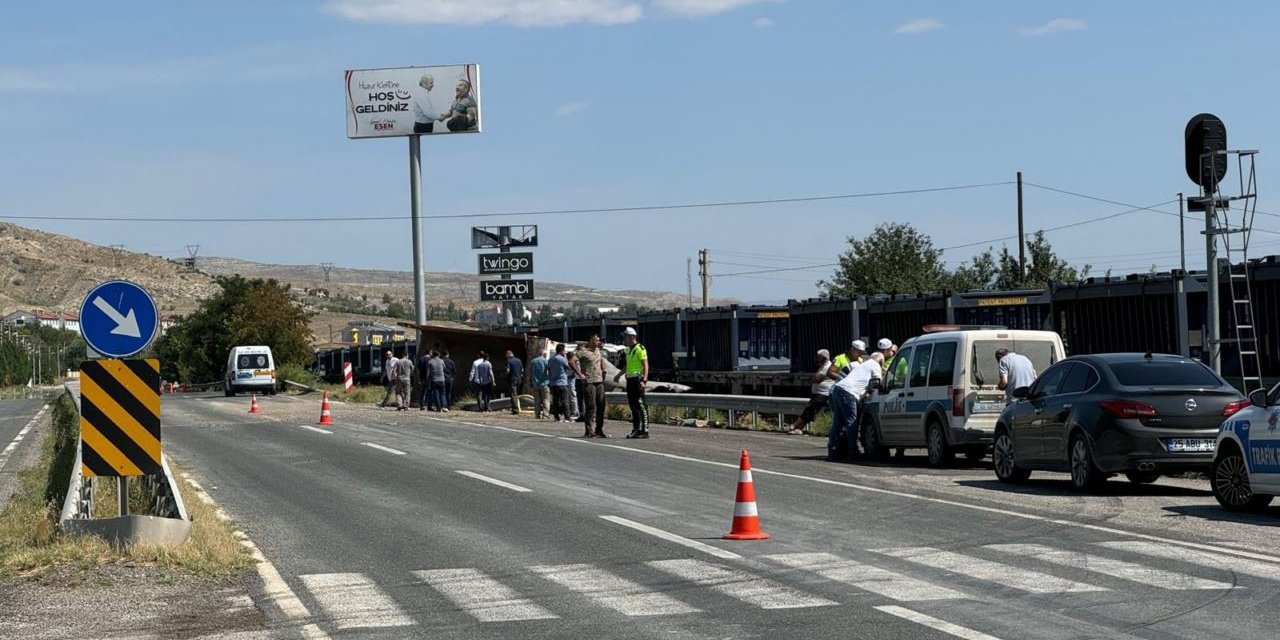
(746, 519)
(325, 416)
(253, 405)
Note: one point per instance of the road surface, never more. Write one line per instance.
(391, 525)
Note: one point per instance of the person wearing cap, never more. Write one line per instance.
(637, 372)
(856, 353)
(888, 349)
(848, 394)
(819, 393)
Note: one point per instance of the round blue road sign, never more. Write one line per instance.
(118, 319)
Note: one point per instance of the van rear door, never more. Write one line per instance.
(984, 376)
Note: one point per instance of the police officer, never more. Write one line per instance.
(637, 372)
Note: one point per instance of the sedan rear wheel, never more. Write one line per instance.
(1085, 475)
(1230, 479)
(1002, 456)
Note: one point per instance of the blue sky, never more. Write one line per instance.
(235, 109)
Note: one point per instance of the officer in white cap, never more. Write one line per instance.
(889, 349)
(637, 372)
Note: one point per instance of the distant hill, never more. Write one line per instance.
(50, 271)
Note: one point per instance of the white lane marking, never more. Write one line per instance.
(492, 426)
(868, 578)
(934, 623)
(671, 537)
(8, 450)
(315, 429)
(1212, 560)
(983, 569)
(275, 588)
(353, 601)
(494, 481)
(1111, 567)
(387, 449)
(751, 589)
(486, 599)
(608, 590)
(943, 501)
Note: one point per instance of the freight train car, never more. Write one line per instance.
(661, 333)
(822, 324)
(1160, 313)
(608, 327)
(737, 338)
(1009, 309)
(901, 317)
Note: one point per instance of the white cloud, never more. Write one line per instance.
(571, 108)
(917, 26)
(703, 7)
(1054, 26)
(523, 13)
(762, 23)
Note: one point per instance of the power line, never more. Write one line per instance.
(1134, 209)
(545, 212)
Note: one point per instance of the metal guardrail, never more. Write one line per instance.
(730, 404)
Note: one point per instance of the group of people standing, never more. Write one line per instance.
(435, 371)
(844, 384)
(570, 385)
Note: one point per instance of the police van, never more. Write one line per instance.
(1245, 475)
(941, 391)
(250, 369)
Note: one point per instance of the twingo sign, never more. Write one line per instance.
(495, 290)
(501, 264)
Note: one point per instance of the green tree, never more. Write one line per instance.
(1043, 266)
(245, 312)
(979, 274)
(895, 259)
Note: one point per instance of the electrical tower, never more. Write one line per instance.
(192, 250)
(117, 250)
(327, 267)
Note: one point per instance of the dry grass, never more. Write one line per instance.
(31, 544)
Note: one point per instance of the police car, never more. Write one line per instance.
(1246, 467)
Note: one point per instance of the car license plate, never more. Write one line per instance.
(1190, 445)
(988, 407)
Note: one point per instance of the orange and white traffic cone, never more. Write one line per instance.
(746, 519)
(325, 416)
(253, 404)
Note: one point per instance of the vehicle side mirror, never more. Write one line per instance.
(1021, 393)
(882, 386)
(1258, 398)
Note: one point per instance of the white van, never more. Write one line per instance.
(942, 391)
(250, 369)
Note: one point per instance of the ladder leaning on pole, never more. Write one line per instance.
(1235, 232)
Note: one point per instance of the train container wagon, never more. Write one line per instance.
(822, 324)
(661, 333)
(1009, 309)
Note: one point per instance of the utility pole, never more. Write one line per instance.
(1214, 340)
(1182, 234)
(703, 262)
(1022, 237)
(688, 278)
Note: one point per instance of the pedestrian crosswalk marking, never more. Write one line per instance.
(486, 599)
(1255, 568)
(868, 578)
(934, 623)
(751, 589)
(983, 569)
(1111, 567)
(353, 601)
(614, 592)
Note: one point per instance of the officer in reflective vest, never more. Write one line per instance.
(637, 372)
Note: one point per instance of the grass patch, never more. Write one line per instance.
(31, 543)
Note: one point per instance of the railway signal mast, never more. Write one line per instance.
(1229, 216)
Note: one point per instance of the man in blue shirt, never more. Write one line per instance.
(515, 376)
(560, 379)
(541, 384)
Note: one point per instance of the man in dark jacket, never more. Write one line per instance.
(515, 376)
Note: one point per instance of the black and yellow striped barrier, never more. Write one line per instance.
(120, 417)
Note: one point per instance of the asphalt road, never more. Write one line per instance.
(18, 425)
(394, 525)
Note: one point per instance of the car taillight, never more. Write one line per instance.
(957, 402)
(1128, 409)
(1233, 407)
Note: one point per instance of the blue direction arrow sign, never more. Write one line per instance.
(118, 319)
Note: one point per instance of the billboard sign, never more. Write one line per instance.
(495, 290)
(524, 235)
(501, 264)
(410, 101)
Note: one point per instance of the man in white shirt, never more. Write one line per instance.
(819, 393)
(389, 377)
(424, 110)
(1016, 372)
(851, 387)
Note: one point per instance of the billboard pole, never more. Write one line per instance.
(415, 213)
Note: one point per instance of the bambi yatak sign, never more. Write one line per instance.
(501, 264)
(412, 101)
(494, 290)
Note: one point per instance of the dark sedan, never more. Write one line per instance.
(1142, 415)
